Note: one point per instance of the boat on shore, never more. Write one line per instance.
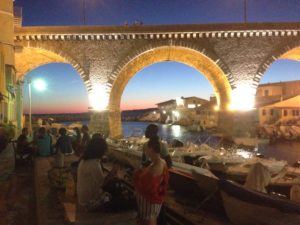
(233, 164)
(247, 207)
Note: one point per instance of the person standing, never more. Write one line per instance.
(64, 143)
(85, 139)
(151, 184)
(76, 140)
(152, 132)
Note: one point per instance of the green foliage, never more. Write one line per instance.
(9, 129)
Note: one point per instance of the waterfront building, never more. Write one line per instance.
(207, 114)
(278, 102)
(181, 111)
(7, 63)
(285, 111)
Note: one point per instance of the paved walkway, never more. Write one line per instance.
(27, 199)
(17, 199)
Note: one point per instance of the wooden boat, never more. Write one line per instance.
(246, 207)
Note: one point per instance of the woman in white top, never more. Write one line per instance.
(90, 175)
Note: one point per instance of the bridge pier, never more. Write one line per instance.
(99, 122)
(238, 123)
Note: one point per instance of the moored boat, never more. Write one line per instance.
(247, 207)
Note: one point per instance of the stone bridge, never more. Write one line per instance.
(233, 57)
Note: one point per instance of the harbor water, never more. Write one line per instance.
(286, 150)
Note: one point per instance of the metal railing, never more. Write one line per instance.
(18, 16)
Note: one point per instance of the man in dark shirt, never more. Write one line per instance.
(3, 140)
(64, 143)
(85, 138)
(23, 145)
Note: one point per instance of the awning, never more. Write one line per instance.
(290, 103)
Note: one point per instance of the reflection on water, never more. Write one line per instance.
(289, 151)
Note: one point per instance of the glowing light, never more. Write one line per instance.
(164, 112)
(176, 130)
(179, 101)
(243, 98)
(177, 114)
(154, 112)
(191, 106)
(39, 85)
(98, 97)
(244, 154)
(216, 108)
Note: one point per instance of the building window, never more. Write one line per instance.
(296, 112)
(285, 113)
(191, 106)
(266, 92)
(263, 112)
(271, 112)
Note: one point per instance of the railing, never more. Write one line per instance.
(18, 16)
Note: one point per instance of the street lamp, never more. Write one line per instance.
(39, 85)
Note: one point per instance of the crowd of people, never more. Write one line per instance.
(150, 180)
(48, 142)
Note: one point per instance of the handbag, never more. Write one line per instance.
(121, 198)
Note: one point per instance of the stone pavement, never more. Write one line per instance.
(17, 199)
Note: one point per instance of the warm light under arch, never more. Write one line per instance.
(184, 55)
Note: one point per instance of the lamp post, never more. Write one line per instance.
(29, 94)
(39, 85)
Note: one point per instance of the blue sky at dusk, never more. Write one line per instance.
(159, 82)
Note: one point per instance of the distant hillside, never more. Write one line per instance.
(63, 117)
(137, 114)
(127, 115)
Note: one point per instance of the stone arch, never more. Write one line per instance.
(285, 51)
(27, 58)
(198, 60)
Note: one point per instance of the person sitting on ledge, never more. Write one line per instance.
(43, 142)
(90, 176)
(24, 147)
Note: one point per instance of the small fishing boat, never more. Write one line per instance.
(247, 207)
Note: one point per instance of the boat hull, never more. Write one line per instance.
(259, 209)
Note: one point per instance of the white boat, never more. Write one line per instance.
(246, 207)
(247, 141)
